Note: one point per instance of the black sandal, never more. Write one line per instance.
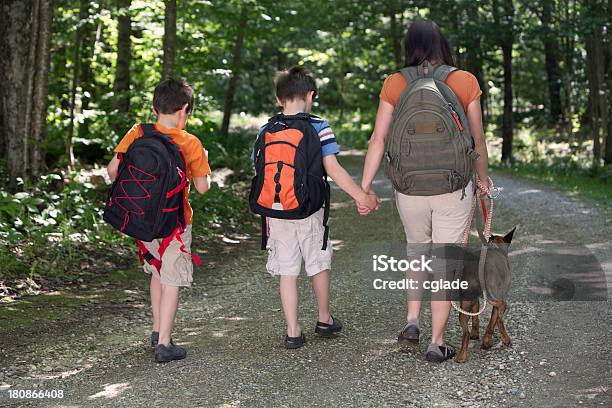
(409, 334)
(326, 329)
(295, 342)
(439, 354)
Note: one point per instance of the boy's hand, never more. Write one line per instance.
(367, 203)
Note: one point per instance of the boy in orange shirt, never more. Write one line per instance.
(172, 103)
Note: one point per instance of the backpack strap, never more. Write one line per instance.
(264, 232)
(326, 205)
(442, 72)
(417, 72)
(147, 129)
(145, 255)
(410, 74)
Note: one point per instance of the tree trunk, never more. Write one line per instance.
(606, 117)
(594, 50)
(551, 62)
(76, 74)
(507, 41)
(41, 87)
(396, 36)
(474, 57)
(87, 79)
(169, 39)
(236, 65)
(14, 69)
(121, 86)
(568, 43)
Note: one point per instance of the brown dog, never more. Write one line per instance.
(498, 278)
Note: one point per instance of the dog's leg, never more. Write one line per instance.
(475, 321)
(487, 340)
(503, 334)
(465, 340)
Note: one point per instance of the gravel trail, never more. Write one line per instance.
(231, 324)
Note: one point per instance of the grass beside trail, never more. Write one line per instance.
(592, 184)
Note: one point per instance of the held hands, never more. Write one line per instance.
(369, 202)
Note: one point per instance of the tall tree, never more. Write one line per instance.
(76, 74)
(568, 40)
(121, 86)
(595, 71)
(24, 41)
(395, 28)
(169, 39)
(236, 66)
(608, 71)
(40, 92)
(15, 47)
(551, 47)
(503, 16)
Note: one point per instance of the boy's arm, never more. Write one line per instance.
(201, 184)
(113, 168)
(346, 183)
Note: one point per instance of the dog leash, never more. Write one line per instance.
(480, 194)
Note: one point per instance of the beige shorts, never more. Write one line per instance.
(292, 241)
(435, 219)
(176, 265)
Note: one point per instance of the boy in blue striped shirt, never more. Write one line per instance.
(291, 241)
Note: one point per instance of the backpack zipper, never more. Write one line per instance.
(455, 116)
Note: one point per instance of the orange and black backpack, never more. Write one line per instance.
(290, 181)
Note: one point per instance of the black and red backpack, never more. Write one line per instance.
(146, 199)
(290, 181)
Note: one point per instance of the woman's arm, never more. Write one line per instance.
(376, 149)
(474, 114)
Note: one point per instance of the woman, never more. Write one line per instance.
(438, 218)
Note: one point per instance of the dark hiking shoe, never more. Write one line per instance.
(295, 342)
(438, 354)
(326, 329)
(164, 354)
(154, 338)
(409, 334)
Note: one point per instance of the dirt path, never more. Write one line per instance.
(231, 324)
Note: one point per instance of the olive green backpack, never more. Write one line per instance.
(429, 148)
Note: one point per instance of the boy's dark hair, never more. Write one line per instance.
(171, 95)
(294, 83)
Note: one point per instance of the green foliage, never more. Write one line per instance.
(224, 209)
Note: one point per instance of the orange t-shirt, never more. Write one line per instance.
(464, 85)
(195, 155)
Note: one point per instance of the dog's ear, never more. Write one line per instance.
(508, 237)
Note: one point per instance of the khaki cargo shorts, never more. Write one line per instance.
(176, 267)
(292, 241)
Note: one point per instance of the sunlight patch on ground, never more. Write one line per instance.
(531, 191)
(352, 152)
(62, 375)
(523, 251)
(220, 333)
(591, 393)
(111, 391)
(341, 204)
(337, 244)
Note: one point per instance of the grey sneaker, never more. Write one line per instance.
(164, 354)
(154, 339)
(409, 334)
(438, 354)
